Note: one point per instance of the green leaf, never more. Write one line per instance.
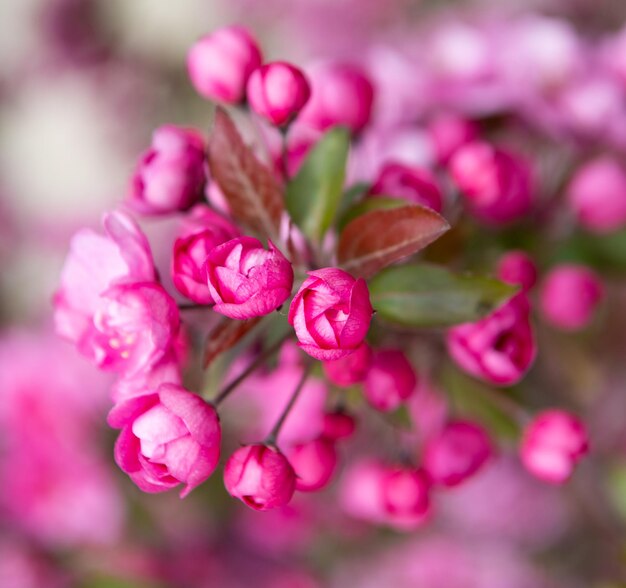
(381, 237)
(313, 196)
(431, 296)
(368, 205)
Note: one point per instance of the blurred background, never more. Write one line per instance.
(82, 85)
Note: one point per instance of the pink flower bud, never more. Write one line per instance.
(260, 476)
(517, 268)
(220, 64)
(498, 349)
(338, 425)
(331, 313)
(246, 280)
(495, 183)
(414, 184)
(94, 263)
(552, 445)
(170, 175)
(351, 369)
(192, 249)
(278, 91)
(135, 327)
(569, 296)
(390, 381)
(597, 195)
(457, 453)
(449, 133)
(340, 95)
(167, 438)
(314, 463)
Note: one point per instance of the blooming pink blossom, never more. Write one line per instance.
(314, 463)
(96, 262)
(170, 175)
(338, 425)
(331, 313)
(246, 280)
(597, 195)
(414, 184)
(569, 296)
(220, 64)
(260, 476)
(201, 233)
(351, 369)
(390, 380)
(457, 453)
(277, 91)
(341, 94)
(495, 183)
(552, 445)
(499, 348)
(168, 437)
(517, 268)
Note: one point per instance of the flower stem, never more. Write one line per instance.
(256, 363)
(273, 436)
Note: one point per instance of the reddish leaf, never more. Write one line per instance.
(225, 336)
(249, 186)
(379, 238)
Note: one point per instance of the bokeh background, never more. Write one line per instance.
(82, 85)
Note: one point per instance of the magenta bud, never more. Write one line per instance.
(597, 195)
(168, 438)
(277, 92)
(569, 296)
(449, 133)
(390, 381)
(331, 313)
(246, 280)
(496, 184)
(220, 64)
(314, 463)
(340, 95)
(552, 445)
(456, 453)
(260, 476)
(338, 425)
(499, 348)
(351, 369)
(414, 184)
(405, 495)
(517, 268)
(170, 175)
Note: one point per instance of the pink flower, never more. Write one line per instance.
(220, 64)
(449, 133)
(338, 425)
(390, 380)
(314, 463)
(569, 296)
(351, 369)
(517, 268)
(341, 95)
(552, 445)
(597, 195)
(168, 437)
(260, 476)
(331, 313)
(134, 327)
(277, 91)
(496, 184)
(205, 231)
(499, 348)
(246, 280)
(394, 496)
(95, 263)
(457, 453)
(414, 184)
(170, 175)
